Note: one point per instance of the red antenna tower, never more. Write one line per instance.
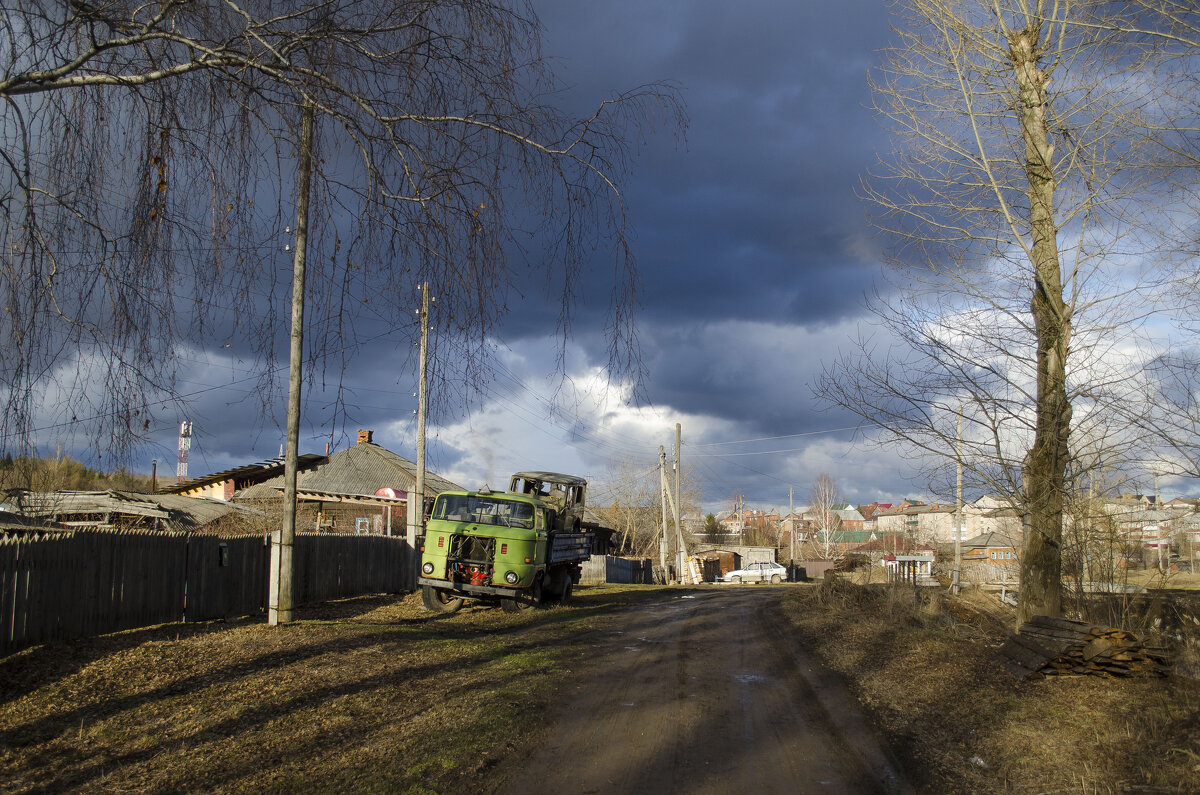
(185, 444)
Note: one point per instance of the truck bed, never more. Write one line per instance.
(570, 547)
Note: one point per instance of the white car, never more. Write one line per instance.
(758, 572)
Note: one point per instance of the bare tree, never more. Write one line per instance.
(821, 500)
(628, 496)
(1020, 165)
(145, 185)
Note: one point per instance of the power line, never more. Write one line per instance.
(783, 436)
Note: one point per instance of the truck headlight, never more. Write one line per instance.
(511, 578)
(427, 568)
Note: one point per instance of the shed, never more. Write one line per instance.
(122, 510)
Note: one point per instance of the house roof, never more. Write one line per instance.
(988, 540)
(359, 470)
(263, 470)
(17, 523)
(869, 511)
(170, 511)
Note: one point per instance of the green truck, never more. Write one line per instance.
(519, 549)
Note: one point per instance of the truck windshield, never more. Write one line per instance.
(483, 510)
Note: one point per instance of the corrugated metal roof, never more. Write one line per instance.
(63, 503)
(990, 539)
(360, 470)
(263, 469)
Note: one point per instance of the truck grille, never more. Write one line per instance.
(471, 558)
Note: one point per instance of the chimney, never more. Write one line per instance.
(364, 436)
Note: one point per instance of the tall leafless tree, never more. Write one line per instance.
(627, 496)
(822, 500)
(1020, 166)
(146, 161)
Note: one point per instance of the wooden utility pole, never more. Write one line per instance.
(681, 556)
(416, 500)
(662, 487)
(677, 507)
(279, 601)
(792, 535)
(958, 506)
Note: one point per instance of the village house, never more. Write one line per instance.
(794, 524)
(936, 524)
(990, 547)
(731, 523)
(924, 523)
(847, 518)
(363, 490)
(869, 512)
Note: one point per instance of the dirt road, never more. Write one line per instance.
(704, 693)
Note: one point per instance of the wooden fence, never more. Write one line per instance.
(59, 587)
(607, 568)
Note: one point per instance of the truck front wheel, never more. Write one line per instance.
(438, 601)
(530, 600)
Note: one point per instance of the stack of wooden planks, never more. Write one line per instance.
(1046, 646)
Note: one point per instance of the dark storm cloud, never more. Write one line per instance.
(756, 213)
(754, 250)
(748, 233)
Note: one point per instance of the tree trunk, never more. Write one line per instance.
(279, 599)
(1045, 464)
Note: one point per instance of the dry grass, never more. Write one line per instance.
(375, 694)
(1154, 578)
(924, 665)
(365, 695)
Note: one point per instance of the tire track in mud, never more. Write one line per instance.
(702, 693)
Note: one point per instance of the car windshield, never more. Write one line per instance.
(483, 510)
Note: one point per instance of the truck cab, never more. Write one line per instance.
(566, 495)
